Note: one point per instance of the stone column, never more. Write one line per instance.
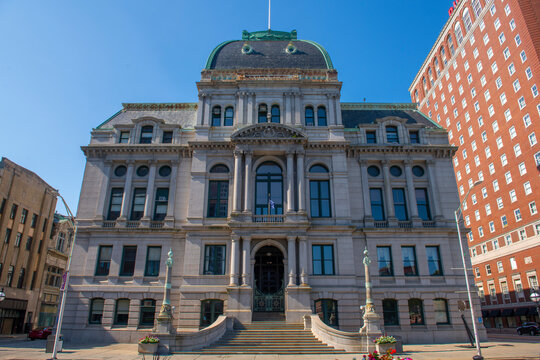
(368, 216)
(250, 107)
(104, 190)
(247, 182)
(297, 109)
(388, 197)
(290, 181)
(301, 181)
(433, 190)
(172, 191)
(206, 113)
(339, 121)
(288, 108)
(239, 113)
(127, 192)
(291, 240)
(303, 257)
(234, 261)
(246, 260)
(413, 208)
(237, 185)
(331, 116)
(200, 108)
(149, 193)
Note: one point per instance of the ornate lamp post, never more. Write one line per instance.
(164, 319)
(458, 211)
(371, 319)
(535, 296)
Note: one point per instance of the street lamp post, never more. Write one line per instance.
(475, 329)
(73, 225)
(535, 296)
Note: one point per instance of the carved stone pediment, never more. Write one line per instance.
(268, 132)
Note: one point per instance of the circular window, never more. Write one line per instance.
(373, 171)
(290, 49)
(165, 171)
(142, 170)
(418, 171)
(246, 49)
(395, 171)
(120, 170)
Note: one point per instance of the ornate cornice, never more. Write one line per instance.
(102, 150)
(268, 133)
(439, 151)
(216, 145)
(378, 106)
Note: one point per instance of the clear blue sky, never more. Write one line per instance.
(66, 66)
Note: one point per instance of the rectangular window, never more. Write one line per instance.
(161, 203)
(423, 204)
(214, 260)
(377, 205)
(137, 207)
(2, 206)
(384, 256)
(127, 266)
(153, 260)
(408, 254)
(167, 137)
(434, 260)
(319, 191)
(115, 204)
(18, 239)
(121, 314)
(323, 259)
(124, 137)
(24, 215)
(13, 211)
(513, 263)
(400, 205)
(103, 260)
(29, 242)
(371, 137)
(7, 236)
(9, 278)
(218, 195)
(33, 223)
(415, 139)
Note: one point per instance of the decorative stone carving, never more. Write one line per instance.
(268, 131)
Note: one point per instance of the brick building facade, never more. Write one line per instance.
(480, 82)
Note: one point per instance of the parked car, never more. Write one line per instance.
(40, 333)
(529, 328)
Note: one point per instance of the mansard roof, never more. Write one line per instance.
(355, 114)
(269, 49)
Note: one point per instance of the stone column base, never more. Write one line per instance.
(297, 303)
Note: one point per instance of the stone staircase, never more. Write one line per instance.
(269, 337)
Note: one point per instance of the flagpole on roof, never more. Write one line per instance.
(269, 2)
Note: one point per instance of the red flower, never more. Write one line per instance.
(392, 351)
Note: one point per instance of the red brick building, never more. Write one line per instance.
(480, 82)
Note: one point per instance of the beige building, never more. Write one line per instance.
(267, 190)
(27, 205)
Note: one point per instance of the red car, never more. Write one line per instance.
(40, 333)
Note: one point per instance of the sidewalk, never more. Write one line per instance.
(520, 348)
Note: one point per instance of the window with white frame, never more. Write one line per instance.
(527, 120)
(532, 208)
(498, 82)
(480, 231)
(518, 40)
(517, 150)
(463, 103)
(480, 176)
(468, 222)
(523, 56)
(491, 110)
(500, 203)
(507, 115)
(507, 9)
(492, 10)
(485, 250)
(479, 66)
(484, 136)
(504, 221)
(517, 214)
(488, 152)
(477, 160)
(473, 199)
(467, 168)
(495, 185)
(522, 235)
(488, 209)
(476, 272)
(508, 177)
(512, 132)
(512, 24)
(482, 25)
(511, 69)
(458, 175)
(467, 117)
(502, 38)
(503, 98)
(521, 102)
(527, 187)
(470, 182)
(528, 72)
(491, 227)
(491, 168)
(484, 192)
(506, 53)
(452, 100)
(534, 90)
(469, 77)
(497, 23)
(499, 142)
(485, 39)
(487, 96)
(495, 244)
(476, 106)
(516, 85)
(455, 113)
(508, 239)
(500, 267)
(522, 169)
(473, 145)
(494, 67)
(464, 153)
(532, 139)
(513, 196)
(461, 140)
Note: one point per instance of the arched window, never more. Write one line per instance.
(430, 74)
(443, 56)
(424, 83)
(321, 116)
(437, 69)
(269, 189)
(309, 116)
(218, 192)
(121, 312)
(96, 311)
(275, 114)
(147, 312)
(229, 116)
(327, 309)
(216, 116)
(459, 34)
(416, 312)
(210, 310)
(146, 134)
(450, 45)
(392, 134)
(416, 95)
(263, 110)
(467, 20)
(319, 191)
(440, 307)
(477, 7)
(390, 312)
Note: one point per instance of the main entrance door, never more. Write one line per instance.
(269, 284)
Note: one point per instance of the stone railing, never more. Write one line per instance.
(405, 224)
(109, 223)
(342, 340)
(428, 224)
(268, 218)
(188, 341)
(381, 224)
(156, 224)
(133, 224)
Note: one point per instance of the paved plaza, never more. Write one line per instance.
(500, 347)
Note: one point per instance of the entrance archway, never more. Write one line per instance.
(269, 280)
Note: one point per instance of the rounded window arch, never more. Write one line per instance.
(219, 169)
(318, 169)
(262, 112)
(442, 52)
(275, 114)
(436, 65)
(269, 189)
(321, 116)
(229, 116)
(450, 44)
(458, 33)
(416, 95)
(467, 23)
(430, 74)
(309, 116)
(216, 116)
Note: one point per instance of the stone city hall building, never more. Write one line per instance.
(267, 191)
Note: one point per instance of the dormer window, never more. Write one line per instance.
(167, 137)
(229, 116)
(124, 137)
(263, 109)
(371, 137)
(216, 116)
(146, 134)
(392, 134)
(415, 138)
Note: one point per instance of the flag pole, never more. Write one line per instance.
(269, 2)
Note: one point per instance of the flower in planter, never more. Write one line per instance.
(149, 340)
(385, 340)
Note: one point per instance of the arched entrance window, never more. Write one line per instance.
(269, 189)
(269, 281)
